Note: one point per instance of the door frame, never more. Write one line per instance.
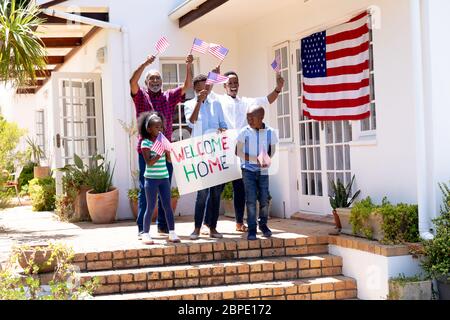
(56, 111)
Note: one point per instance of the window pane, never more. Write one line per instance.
(299, 60)
(303, 158)
(90, 107)
(338, 128)
(89, 89)
(316, 133)
(170, 74)
(339, 158)
(373, 116)
(310, 159)
(304, 184)
(347, 157)
(347, 131)
(309, 133)
(330, 158)
(284, 58)
(331, 179)
(279, 107)
(287, 127)
(286, 80)
(340, 177)
(302, 135)
(91, 128)
(348, 179)
(365, 125)
(312, 181)
(286, 104)
(281, 128)
(318, 159)
(319, 184)
(329, 132)
(299, 86)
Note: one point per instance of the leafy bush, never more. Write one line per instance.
(10, 135)
(65, 282)
(174, 193)
(342, 195)
(26, 175)
(100, 175)
(436, 262)
(133, 194)
(227, 193)
(42, 194)
(400, 223)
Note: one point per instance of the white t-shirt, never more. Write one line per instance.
(235, 110)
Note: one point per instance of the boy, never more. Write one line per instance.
(256, 145)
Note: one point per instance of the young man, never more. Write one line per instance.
(235, 110)
(256, 145)
(150, 98)
(204, 115)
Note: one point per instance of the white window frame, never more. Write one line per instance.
(40, 129)
(286, 72)
(180, 82)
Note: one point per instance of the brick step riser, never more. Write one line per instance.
(177, 255)
(194, 278)
(339, 288)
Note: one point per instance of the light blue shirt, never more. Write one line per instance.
(210, 117)
(253, 140)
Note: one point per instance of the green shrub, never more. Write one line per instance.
(227, 193)
(436, 262)
(174, 193)
(400, 223)
(343, 196)
(100, 175)
(42, 194)
(9, 138)
(26, 175)
(133, 194)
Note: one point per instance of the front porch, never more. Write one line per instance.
(301, 261)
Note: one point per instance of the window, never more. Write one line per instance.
(369, 125)
(284, 100)
(40, 129)
(174, 74)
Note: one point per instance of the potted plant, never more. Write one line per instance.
(133, 195)
(37, 155)
(410, 288)
(102, 198)
(436, 260)
(340, 201)
(227, 200)
(175, 195)
(73, 204)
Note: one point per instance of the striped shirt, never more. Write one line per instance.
(159, 169)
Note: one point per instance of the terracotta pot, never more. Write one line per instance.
(81, 208)
(41, 172)
(40, 258)
(134, 208)
(228, 206)
(337, 221)
(174, 203)
(103, 206)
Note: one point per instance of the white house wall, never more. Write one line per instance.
(386, 168)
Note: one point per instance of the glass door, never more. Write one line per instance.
(78, 118)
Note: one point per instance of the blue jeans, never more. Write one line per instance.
(256, 188)
(142, 202)
(153, 187)
(207, 207)
(239, 200)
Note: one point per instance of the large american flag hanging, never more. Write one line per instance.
(336, 72)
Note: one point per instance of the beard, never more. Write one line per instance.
(155, 88)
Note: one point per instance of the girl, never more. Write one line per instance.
(150, 124)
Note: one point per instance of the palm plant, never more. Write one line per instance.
(21, 51)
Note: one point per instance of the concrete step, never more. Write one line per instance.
(326, 288)
(202, 251)
(215, 273)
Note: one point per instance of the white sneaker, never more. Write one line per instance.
(173, 237)
(146, 239)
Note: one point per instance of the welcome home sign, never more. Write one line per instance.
(205, 161)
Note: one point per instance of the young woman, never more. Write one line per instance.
(156, 175)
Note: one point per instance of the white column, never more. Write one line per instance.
(420, 47)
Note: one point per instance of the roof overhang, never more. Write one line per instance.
(191, 10)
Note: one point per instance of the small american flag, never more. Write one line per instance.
(218, 51)
(276, 64)
(161, 145)
(162, 45)
(216, 78)
(200, 46)
(336, 72)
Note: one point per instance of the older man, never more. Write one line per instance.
(149, 98)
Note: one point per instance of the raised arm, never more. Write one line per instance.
(188, 82)
(200, 99)
(272, 97)
(134, 81)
